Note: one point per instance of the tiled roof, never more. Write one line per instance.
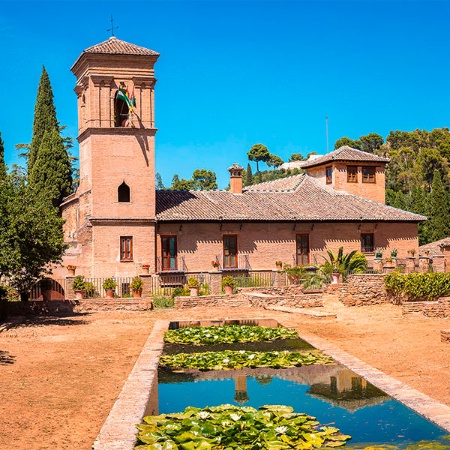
(345, 153)
(434, 248)
(114, 46)
(298, 198)
(282, 185)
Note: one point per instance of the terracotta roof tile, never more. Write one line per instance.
(114, 46)
(345, 153)
(281, 185)
(302, 198)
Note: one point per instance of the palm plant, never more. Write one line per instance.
(352, 262)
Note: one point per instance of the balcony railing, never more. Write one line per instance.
(176, 264)
(238, 262)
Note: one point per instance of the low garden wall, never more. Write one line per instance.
(362, 290)
(305, 300)
(56, 307)
(232, 301)
(439, 308)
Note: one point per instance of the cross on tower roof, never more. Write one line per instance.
(112, 26)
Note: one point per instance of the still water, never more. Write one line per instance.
(333, 394)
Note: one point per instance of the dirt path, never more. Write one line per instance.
(60, 376)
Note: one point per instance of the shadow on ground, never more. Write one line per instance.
(39, 321)
(6, 359)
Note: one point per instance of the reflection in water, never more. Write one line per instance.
(333, 394)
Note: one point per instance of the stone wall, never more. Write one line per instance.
(259, 300)
(64, 307)
(362, 290)
(439, 308)
(208, 301)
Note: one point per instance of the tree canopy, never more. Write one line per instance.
(258, 153)
(202, 180)
(31, 234)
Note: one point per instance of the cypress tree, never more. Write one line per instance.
(249, 181)
(44, 117)
(438, 209)
(52, 170)
(3, 169)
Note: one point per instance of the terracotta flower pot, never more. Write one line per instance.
(193, 291)
(228, 290)
(79, 295)
(109, 293)
(71, 271)
(137, 293)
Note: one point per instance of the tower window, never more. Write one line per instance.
(124, 192)
(352, 174)
(329, 174)
(368, 174)
(121, 111)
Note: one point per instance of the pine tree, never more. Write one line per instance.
(44, 117)
(52, 170)
(438, 209)
(3, 168)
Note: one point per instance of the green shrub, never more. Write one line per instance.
(109, 283)
(180, 292)
(90, 291)
(294, 273)
(136, 284)
(163, 302)
(204, 289)
(418, 286)
(192, 282)
(228, 281)
(78, 283)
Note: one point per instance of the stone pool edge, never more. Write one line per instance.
(421, 403)
(119, 430)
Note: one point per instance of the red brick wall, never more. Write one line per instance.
(266, 243)
(372, 191)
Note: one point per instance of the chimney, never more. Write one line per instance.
(235, 178)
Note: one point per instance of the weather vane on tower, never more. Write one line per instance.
(112, 26)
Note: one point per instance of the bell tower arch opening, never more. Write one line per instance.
(121, 111)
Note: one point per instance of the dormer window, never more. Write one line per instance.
(329, 174)
(123, 192)
(352, 174)
(368, 174)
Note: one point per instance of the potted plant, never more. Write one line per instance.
(412, 252)
(46, 288)
(136, 286)
(71, 269)
(145, 269)
(279, 265)
(215, 264)
(109, 285)
(193, 286)
(394, 253)
(228, 284)
(378, 253)
(79, 287)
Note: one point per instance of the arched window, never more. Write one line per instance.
(124, 192)
(121, 111)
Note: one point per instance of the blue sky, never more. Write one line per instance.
(233, 73)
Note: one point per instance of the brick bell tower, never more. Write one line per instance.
(111, 218)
